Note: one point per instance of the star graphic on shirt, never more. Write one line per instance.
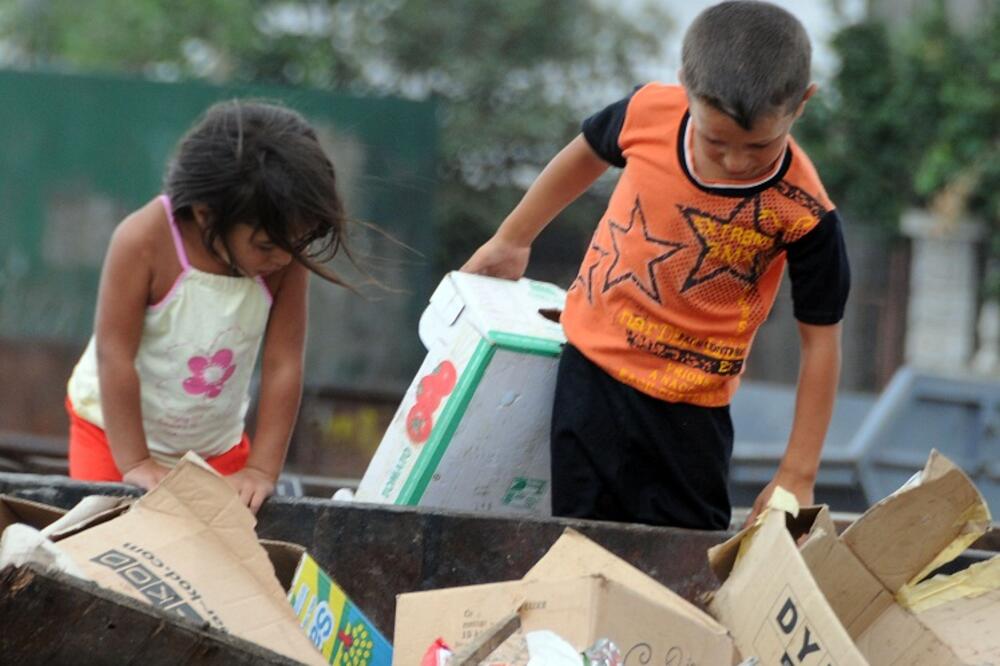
(644, 253)
(588, 282)
(736, 245)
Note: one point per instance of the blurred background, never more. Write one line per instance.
(438, 114)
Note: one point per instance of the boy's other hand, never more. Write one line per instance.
(499, 258)
(147, 474)
(253, 485)
(802, 488)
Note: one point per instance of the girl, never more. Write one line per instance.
(192, 283)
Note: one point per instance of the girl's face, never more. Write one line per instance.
(254, 253)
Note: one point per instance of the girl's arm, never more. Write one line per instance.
(280, 388)
(565, 178)
(121, 306)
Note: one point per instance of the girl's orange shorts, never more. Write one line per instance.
(90, 456)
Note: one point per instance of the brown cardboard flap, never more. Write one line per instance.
(771, 603)
(854, 594)
(964, 624)
(897, 638)
(35, 514)
(901, 537)
(285, 556)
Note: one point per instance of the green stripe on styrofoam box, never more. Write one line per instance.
(527, 344)
(436, 445)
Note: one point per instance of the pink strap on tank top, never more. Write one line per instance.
(181, 254)
(176, 233)
(186, 265)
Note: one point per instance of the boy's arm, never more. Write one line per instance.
(565, 178)
(121, 307)
(819, 372)
(280, 388)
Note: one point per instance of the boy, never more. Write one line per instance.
(714, 198)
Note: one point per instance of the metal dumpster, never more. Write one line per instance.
(374, 552)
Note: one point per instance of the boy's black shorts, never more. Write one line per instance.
(619, 454)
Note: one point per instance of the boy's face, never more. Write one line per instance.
(723, 150)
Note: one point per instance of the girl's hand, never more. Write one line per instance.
(500, 258)
(146, 474)
(253, 485)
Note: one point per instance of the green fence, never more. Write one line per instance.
(77, 153)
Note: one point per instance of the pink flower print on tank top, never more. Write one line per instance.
(209, 375)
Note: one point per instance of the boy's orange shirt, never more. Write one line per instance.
(679, 275)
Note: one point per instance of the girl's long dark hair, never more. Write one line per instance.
(259, 163)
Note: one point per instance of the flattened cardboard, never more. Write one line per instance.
(189, 547)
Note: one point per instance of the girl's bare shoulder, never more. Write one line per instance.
(144, 232)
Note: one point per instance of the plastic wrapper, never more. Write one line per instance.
(602, 653)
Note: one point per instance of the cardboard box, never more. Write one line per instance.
(472, 432)
(338, 629)
(575, 555)
(874, 574)
(861, 597)
(566, 594)
(771, 603)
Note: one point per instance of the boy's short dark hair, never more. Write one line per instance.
(746, 59)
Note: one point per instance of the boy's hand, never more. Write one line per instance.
(801, 487)
(253, 485)
(499, 258)
(146, 474)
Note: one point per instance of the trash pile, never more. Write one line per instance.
(791, 589)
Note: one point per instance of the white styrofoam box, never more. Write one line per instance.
(472, 432)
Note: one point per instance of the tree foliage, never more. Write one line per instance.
(912, 119)
(513, 79)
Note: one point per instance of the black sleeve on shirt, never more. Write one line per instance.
(820, 274)
(602, 129)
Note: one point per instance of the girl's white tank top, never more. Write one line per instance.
(195, 361)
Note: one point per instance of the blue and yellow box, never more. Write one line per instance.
(331, 620)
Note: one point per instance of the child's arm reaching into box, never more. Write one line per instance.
(819, 372)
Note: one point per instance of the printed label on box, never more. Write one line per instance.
(525, 493)
(158, 583)
(333, 623)
(787, 626)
